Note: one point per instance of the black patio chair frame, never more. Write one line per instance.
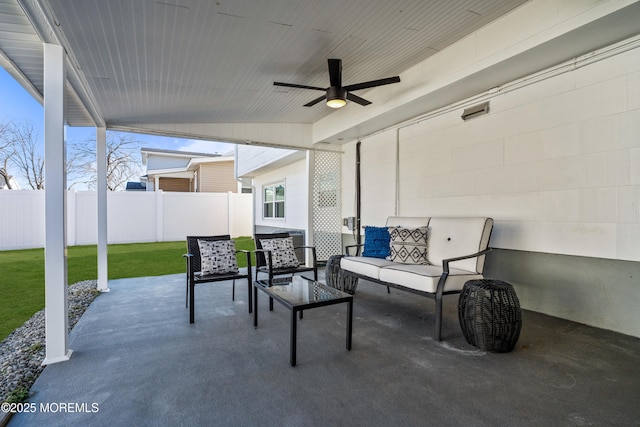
(264, 263)
(194, 277)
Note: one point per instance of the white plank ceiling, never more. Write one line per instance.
(204, 61)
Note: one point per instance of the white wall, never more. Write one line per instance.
(155, 162)
(556, 164)
(296, 196)
(132, 217)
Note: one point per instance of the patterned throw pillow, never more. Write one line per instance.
(217, 257)
(408, 245)
(376, 242)
(282, 253)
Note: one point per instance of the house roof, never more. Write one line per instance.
(176, 153)
(191, 160)
(203, 69)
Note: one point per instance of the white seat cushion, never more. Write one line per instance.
(366, 266)
(454, 237)
(425, 277)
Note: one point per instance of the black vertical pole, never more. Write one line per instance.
(358, 238)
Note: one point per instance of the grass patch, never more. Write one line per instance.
(18, 395)
(22, 277)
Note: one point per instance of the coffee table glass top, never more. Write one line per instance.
(298, 290)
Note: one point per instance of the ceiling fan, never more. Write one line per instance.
(336, 94)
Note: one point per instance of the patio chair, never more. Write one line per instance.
(219, 265)
(277, 258)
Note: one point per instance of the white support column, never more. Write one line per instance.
(55, 264)
(309, 232)
(101, 158)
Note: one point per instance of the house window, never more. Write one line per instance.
(273, 200)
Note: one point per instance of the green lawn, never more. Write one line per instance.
(22, 272)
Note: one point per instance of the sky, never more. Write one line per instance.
(17, 105)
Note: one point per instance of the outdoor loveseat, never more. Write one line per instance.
(428, 256)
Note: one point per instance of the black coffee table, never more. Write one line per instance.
(298, 293)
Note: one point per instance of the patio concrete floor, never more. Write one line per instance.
(138, 361)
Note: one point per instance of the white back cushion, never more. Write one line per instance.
(454, 237)
(407, 221)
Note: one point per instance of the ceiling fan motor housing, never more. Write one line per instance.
(336, 93)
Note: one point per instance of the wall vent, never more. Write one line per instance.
(475, 111)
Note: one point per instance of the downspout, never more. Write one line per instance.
(396, 208)
(358, 207)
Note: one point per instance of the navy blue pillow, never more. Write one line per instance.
(376, 242)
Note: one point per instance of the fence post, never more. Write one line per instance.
(159, 215)
(229, 214)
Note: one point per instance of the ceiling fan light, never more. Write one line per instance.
(336, 97)
(336, 103)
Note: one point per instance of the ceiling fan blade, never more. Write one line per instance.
(335, 72)
(300, 86)
(315, 101)
(357, 99)
(372, 83)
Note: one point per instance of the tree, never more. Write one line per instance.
(5, 153)
(122, 161)
(5, 142)
(20, 151)
(25, 154)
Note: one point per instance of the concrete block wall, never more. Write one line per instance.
(556, 163)
(553, 162)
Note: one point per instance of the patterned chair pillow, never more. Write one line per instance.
(408, 245)
(282, 252)
(217, 257)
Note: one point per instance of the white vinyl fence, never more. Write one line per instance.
(132, 217)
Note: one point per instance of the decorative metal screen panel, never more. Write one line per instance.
(327, 230)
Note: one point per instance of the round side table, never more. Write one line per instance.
(490, 316)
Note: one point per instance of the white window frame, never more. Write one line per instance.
(277, 205)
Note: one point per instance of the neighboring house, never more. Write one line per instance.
(171, 170)
(294, 194)
(281, 183)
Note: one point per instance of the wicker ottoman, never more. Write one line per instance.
(338, 278)
(490, 316)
